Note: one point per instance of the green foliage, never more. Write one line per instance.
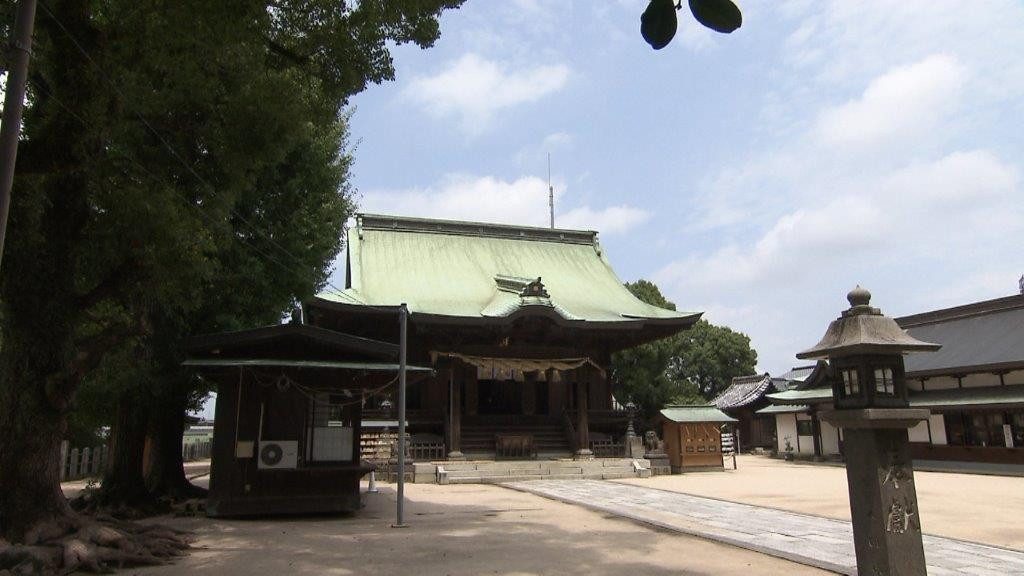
(184, 168)
(688, 368)
(709, 357)
(649, 292)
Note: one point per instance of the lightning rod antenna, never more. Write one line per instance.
(551, 193)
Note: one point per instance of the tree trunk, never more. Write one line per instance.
(40, 364)
(30, 492)
(123, 483)
(166, 474)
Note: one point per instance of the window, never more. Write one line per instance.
(851, 385)
(955, 432)
(883, 381)
(1017, 428)
(330, 434)
(979, 430)
(804, 428)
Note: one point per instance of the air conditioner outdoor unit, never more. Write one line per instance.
(279, 454)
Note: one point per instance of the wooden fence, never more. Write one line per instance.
(196, 450)
(84, 463)
(90, 462)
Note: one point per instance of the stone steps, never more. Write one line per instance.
(487, 472)
(525, 478)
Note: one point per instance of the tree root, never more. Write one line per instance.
(97, 545)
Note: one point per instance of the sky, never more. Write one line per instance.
(756, 177)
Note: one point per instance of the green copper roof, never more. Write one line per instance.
(695, 414)
(801, 396)
(991, 396)
(476, 270)
(784, 409)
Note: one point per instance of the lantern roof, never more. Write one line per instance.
(864, 330)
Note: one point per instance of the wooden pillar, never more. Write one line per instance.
(582, 414)
(816, 434)
(471, 390)
(456, 376)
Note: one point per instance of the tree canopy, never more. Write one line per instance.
(689, 368)
(183, 168)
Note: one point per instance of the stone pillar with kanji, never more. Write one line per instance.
(865, 352)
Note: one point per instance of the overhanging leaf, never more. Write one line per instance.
(658, 23)
(720, 15)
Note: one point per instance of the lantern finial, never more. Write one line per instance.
(858, 296)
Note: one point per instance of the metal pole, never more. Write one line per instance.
(14, 99)
(403, 319)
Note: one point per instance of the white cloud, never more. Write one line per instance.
(556, 139)
(523, 201)
(891, 232)
(473, 89)
(611, 220)
(901, 105)
(901, 183)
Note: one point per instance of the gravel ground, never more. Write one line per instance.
(456, 530)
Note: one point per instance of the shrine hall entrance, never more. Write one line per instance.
(499, 397)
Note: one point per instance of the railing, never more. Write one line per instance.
(605, 446)
(193, 451)
(426, 447)
(87, 462)
(380, 448)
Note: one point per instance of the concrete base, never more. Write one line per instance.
(583, 454)
(456, 455)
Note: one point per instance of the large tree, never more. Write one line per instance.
(709, 357)
(690, 367)
(162, 151)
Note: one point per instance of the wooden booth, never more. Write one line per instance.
(289, 414)
(693, 437)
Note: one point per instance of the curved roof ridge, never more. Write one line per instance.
(743, 390)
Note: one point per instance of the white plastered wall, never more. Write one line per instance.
(785, 426)
(829, 439)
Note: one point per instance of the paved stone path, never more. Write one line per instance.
(812, 540)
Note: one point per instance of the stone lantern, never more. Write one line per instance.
(865, 352)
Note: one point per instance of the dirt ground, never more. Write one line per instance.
(459, 530)
(987, 509)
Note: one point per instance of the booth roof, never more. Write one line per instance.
(475, 270)
(695, 414)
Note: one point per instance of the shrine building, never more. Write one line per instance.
(519, 325)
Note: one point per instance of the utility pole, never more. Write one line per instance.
(14, 100)
(403, 321)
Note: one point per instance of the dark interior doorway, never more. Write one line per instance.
(496, 397)
(541, 406)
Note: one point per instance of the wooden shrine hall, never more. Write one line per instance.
(519, 325)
